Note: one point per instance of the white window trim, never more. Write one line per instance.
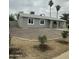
(30, 23)
(40, 21)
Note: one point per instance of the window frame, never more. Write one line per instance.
(30, 23)
(40, 22)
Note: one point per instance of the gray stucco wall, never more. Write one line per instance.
(24, 23)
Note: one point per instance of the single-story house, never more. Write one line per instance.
(37, 21)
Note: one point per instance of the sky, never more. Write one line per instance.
(38, 6)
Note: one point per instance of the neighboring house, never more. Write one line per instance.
(37, 21)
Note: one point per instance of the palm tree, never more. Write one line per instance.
(50, 4)
(58, 8)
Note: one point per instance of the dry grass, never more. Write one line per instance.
(33, 33)
(31, 53)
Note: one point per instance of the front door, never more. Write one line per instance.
(54, 24)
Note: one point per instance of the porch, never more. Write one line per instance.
(57, 24)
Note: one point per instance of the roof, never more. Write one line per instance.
(40, 17)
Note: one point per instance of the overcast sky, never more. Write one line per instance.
(39, 6)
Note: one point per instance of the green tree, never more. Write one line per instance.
(50, 4)
(11, 18)
(65, 16)
(58, 8)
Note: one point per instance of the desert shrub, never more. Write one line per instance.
(42, 46)
(42, 39)
(65, 34)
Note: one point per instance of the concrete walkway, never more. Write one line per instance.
(63, 56)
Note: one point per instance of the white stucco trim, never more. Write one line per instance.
(40, 23)
(30, 23)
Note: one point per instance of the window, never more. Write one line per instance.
(42, 22)
(30, 21)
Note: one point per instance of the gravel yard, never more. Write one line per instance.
(33, 33)
(32, 53)
(26, 39)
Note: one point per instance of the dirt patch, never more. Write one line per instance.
(56, 49)
(33, 33)
(63, 41)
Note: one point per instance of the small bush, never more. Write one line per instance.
(42, 39)
(65, 34)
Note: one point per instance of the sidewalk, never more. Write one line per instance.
(63, 56)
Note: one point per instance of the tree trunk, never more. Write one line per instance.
(57, 14)
(50, 11)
